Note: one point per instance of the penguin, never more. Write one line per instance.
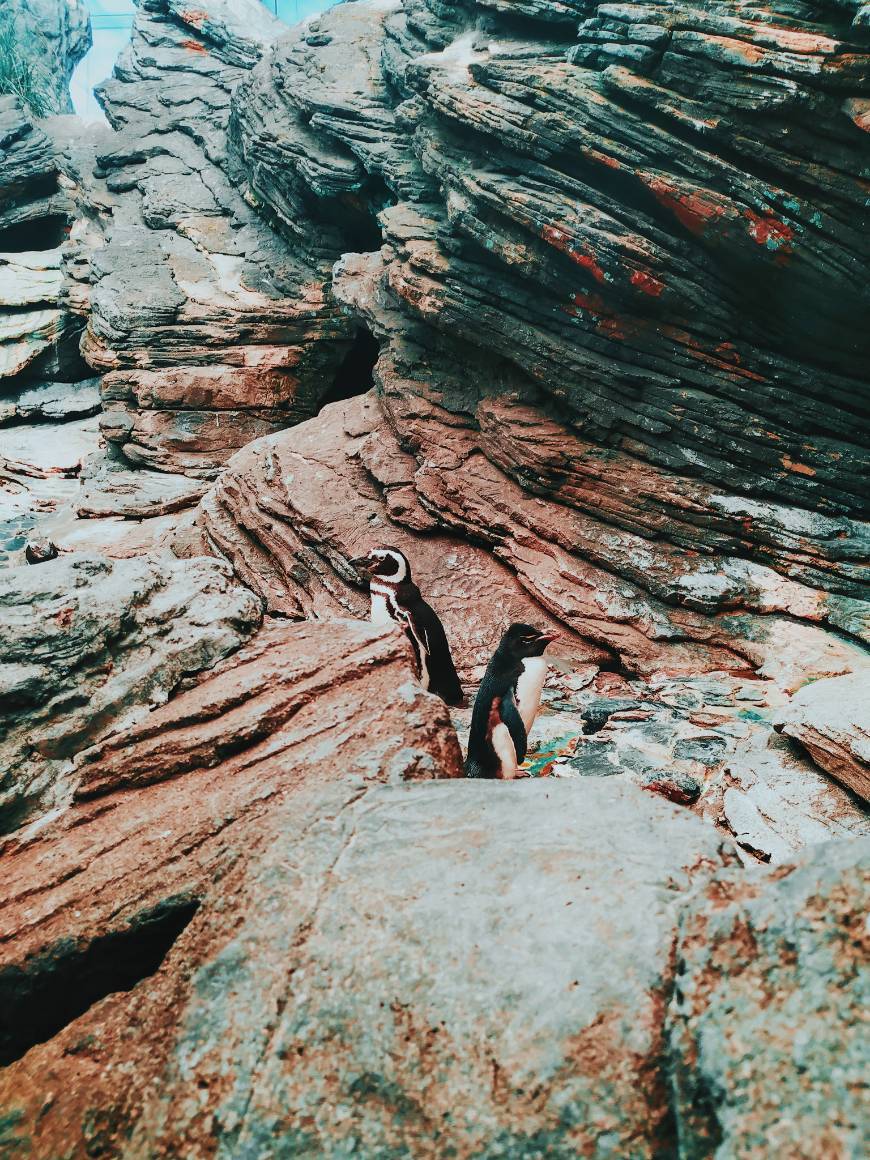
(395, 597)
(507, 703)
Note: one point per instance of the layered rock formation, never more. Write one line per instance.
(88, 643)
(39, 338)
(609, 352)
(48, 395)
(209, 331)
(220, 795)
(609, 257)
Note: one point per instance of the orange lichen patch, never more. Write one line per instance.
(727, 353)
(553, 236)
(692, 209)
(194, 16)
(193, 45)
(647, 283)
(588, 262)
(737, 50)
(769, 231)
(561, 240)
(797, 468)
(594, 303)
(696, 351)
(803, 42)
(606, 322)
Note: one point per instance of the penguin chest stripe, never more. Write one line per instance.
(529, 686)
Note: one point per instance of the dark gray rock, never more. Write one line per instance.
(40, 551)
(673, 785)
(51, 403)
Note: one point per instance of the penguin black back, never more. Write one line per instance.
(396, 597)
(496, 725)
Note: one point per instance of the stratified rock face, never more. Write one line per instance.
(610, 353)
(38, 336)
(87, 644)
(52, 36)
(766, 1026)
(308, 505)
(209, 329)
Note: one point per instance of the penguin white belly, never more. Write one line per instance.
(505, 751)
(529, 687)
(380, 609)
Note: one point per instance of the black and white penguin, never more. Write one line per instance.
(395, 597)
(507, 703)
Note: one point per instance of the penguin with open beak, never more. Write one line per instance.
(507, 703)
(395, 597)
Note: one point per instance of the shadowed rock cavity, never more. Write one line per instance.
(59, 985)
(355, 376)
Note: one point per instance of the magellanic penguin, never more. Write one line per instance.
(395, 597)
(507, 703)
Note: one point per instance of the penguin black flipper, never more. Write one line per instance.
(443, 678)
(510, 716)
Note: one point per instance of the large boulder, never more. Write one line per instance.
(765, 1030)
(324, 963)
(200, 841)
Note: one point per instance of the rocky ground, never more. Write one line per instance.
(566, 300)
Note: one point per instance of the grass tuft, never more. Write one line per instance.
(20, 75)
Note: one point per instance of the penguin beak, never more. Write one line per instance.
(363, 564)
(548, 637)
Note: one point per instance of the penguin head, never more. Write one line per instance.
(387, 564)
(524, 640)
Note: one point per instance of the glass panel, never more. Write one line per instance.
(111, 21)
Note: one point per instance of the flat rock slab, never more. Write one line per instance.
(52, 403)
(767, 1024)
(137, 494)
(831, 720)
